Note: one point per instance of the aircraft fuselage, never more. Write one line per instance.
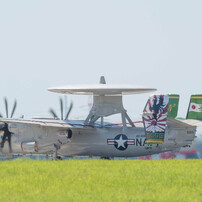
(97, 141)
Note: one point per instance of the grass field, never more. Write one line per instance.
(101, 180)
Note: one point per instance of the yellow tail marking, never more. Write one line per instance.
(174, 97)
(196, 97)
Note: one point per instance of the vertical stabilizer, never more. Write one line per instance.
(173, 105)
(195, 107)
(154, 117)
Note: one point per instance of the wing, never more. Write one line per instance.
(60, 124)
(37, 123)
(175, 123)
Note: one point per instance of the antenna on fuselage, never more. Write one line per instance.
(102, 80)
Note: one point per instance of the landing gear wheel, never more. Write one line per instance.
(58, 158)
(105, 158)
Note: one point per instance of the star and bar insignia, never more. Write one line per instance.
(121, 142)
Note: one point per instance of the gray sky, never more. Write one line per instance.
(46, 43)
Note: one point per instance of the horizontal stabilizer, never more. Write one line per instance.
(193, 122)
(175, 123)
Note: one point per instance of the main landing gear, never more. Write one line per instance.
(55, 156)
(106, 158)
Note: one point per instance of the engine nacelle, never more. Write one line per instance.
(29, 146)
(13, 128)
(65, 133)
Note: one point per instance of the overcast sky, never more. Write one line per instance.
(45, 43)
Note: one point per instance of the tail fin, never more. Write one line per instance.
(154, 117)
(195, 107)
(173, 105)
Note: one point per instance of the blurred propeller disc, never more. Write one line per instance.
(52, 112)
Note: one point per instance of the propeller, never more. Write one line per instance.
(7, 134)
(53, 113)
(4, 126)
(6, 107)
(70, 109)
(14, 107)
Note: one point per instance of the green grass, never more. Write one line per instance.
(101, 180)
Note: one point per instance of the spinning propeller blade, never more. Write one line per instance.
(14, 107)
(69, 111)
(52, 112)
(6, 105)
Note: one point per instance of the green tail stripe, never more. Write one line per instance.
(173, 105)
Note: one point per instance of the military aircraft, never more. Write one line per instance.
(96, 137)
